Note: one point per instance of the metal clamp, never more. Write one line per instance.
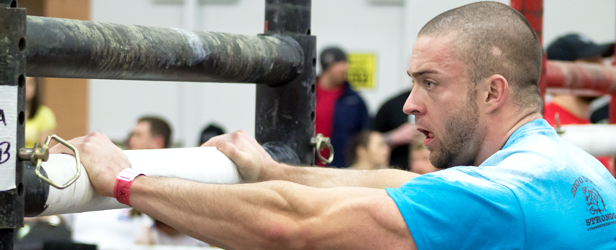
(318, 142)
(39, 154)
(34, 154)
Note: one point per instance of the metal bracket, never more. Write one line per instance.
(34, 154)
(39, 154)
(319, 141)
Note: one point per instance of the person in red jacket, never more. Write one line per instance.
(575, 109)
(340, 112)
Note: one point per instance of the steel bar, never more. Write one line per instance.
(285, 114)
(586, 76)
(533, 11)
(12, 120)
(8, 3)
(288, 16)
(82, 49)
(612, 107)
(597, 140)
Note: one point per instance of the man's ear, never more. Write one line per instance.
(498, 89)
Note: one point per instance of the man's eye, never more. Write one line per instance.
(429, 83)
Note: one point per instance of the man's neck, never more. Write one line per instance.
(327, 83)
(499, 132)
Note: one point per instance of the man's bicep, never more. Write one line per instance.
(360, 218)
(391, 220)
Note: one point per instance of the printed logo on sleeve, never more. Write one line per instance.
(594, 203)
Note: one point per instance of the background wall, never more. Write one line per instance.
(385, 27)
(68, 98)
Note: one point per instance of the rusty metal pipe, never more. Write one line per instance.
(581, 76)
(69, 48)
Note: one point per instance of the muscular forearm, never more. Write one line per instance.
(329, 177)
(229, 216)
(274, 215)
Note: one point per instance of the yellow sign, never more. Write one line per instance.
(362, 70)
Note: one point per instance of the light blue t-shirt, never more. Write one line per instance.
(537, 192)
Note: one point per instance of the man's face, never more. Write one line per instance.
(378, 150)
(444, 108)
(338, 71)
(141, 138)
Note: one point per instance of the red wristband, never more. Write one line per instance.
(121, 190)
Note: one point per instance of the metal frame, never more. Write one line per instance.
(573, 77)
(281, 61)
(12, 73)
(83, 49)
(286, 114)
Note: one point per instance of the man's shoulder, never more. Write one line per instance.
(471, 178)
(351, 97)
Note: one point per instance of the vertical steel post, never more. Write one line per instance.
(612, 118)
(285, 114)
(533, 11)
(612, 107)
(12, 119)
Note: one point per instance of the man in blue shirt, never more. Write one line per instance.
(508, 181)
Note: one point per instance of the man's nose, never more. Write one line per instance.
(412, 105)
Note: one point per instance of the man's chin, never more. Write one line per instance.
(443, 167)
(440, 165)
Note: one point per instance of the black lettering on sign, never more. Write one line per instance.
(4, 151)
(2, 117)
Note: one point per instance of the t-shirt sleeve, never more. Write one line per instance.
(47, 119)
(452, 209)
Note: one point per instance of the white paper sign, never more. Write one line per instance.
(8, 133)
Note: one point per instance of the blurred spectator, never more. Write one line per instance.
(128, 226)
(107, 229)
(150, 133)
(573, 109)
(340, 111)
(368, 150)
(600, 113)
(41, 121)
(397, 128)
(210, 131)
(419, 157)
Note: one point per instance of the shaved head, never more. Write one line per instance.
(493, 38)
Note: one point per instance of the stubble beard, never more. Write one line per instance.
(457, 142)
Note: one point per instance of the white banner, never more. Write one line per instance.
(8, 136)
